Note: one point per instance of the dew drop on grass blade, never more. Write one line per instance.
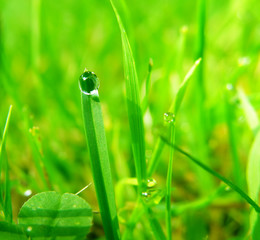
(98, 152)
(173, 108)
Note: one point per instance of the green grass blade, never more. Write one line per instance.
(155, 225)
(216, 174)
(173, 108)
(6, 202)
(181, 91)
(8, 210)
(200, 119)
(133, 107)
(249, 111)
(232, 134)
(169, 185)
(253, 179)
(253, 165)
(98, 152)
(147, 86)
(37, 157)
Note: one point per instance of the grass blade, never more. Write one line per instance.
(173, 108)
(232, 135)
(6, 201)
(133, 107)
(216, 174)
(99, 158)
(181, 91)
(169, 184)
(253, 165)
(201, 123)
(147, 86)
(249, 111)
(253, 180)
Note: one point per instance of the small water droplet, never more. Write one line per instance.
(151, 182)
(229, 87)
(89, 83)
(184, 29)
(27, 193)
(146, 194)
(227, 188)
(29, 229)
(169, 117)
(244, 61)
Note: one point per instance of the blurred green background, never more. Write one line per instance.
(46, 45)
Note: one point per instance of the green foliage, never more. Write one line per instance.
(44, 45)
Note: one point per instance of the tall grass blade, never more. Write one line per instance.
(98, 152)
(253, 181)
(169, 185)
(232, 134)
(201, 123)
(173, 108)
(214, 173)
(249, 111)
(253, 165)
(133, 107)
(147, 86)
(6, 202)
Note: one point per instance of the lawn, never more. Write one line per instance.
(153, 105)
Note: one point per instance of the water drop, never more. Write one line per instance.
(227, 188)
(27, 193)
(146, 194)
(89, 83)
(229, 87)
(244, 61)
(29, 229)
(151, 182)
(169, 117)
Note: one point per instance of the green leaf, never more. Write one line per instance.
(55, 215)
(11, 232)
(133, 107)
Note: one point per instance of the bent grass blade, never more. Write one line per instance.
(216, 174)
